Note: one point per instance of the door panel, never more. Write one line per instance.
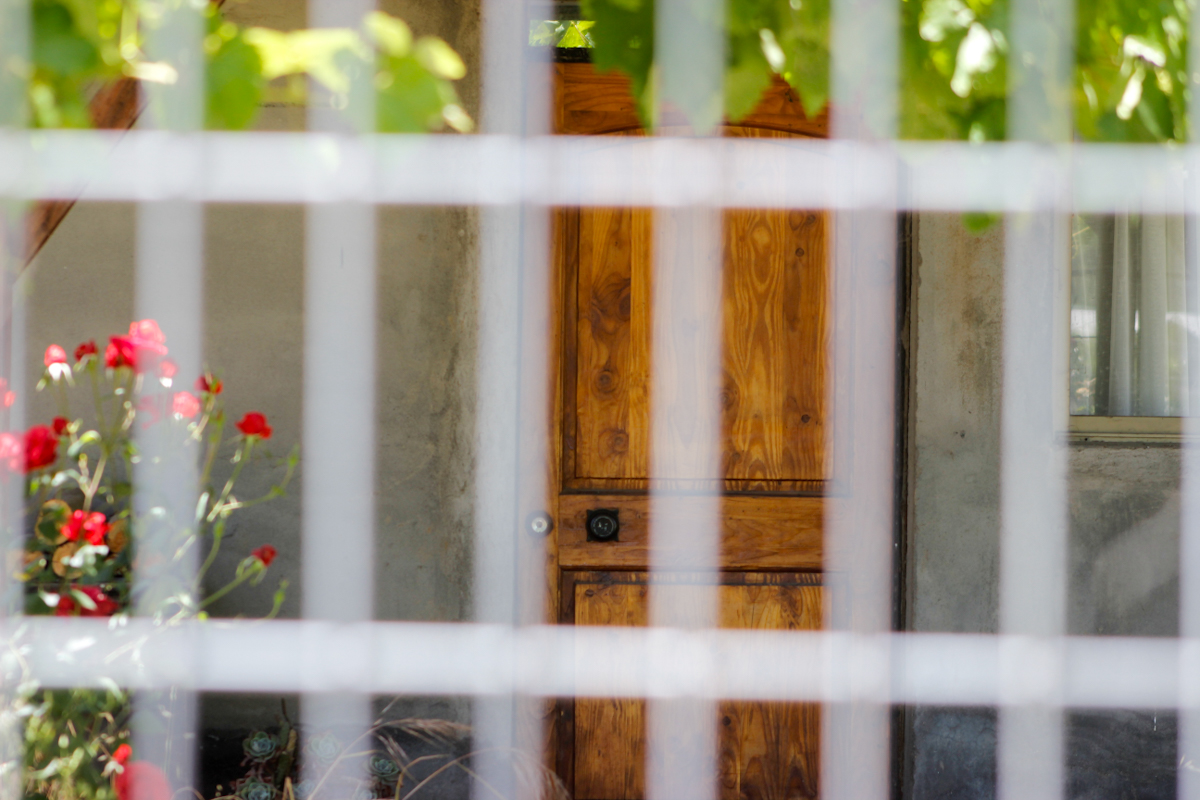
(766, 751)
(775, 336)
(613, 379)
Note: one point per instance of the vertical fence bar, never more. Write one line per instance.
(512, 402)
(1033, 533)
(14, 56)
(338, 536)
(1188, 777)
(685, 409)
(169, 289)
(860, 516)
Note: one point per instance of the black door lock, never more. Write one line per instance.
(603, 524)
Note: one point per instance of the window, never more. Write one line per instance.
(1133, 319)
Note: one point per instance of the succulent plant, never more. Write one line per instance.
(260, 746)
(304, 789)
(325, 748)
(256, 790)
(383, 769)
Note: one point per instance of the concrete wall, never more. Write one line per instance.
(1124, 520)
(81, 287)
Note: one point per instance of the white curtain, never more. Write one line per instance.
(1134, 305)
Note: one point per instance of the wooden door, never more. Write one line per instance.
(775, 459)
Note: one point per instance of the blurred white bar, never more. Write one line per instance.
(686, 382)
(169, 280)
(855, 735)
(1030, 750)
(686, 353)
(562, 661)
(14, 49)
(338, 541)
(497, 169)
(338, 537)
(1187, 780)
(512, 400)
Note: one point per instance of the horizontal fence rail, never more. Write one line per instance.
(552, 661)
(619, 171)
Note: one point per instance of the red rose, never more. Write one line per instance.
(55, 355)
(105, 605)
(86, 349)
(255, 424)
(120, 353)
(41, 447)
(266, 554)
(60, 425)
(207, 383)
(185, 404)
(126, 351)
(122, 754)
(141, 780)
(93, 526)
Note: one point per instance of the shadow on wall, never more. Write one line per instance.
(1111, 755)
(1124, 540)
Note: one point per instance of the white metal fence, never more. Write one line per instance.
(514, 170)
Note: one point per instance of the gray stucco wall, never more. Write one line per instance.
(1124, 521)
(81, 287)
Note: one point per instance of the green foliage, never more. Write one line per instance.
(235, 77)
(1131, 77)
(79, 43)
(69, 736)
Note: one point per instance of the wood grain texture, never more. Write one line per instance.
(764, 750)
(757, 533)
(592, 102)
(774, 354)
(775, 341)
(612, 354)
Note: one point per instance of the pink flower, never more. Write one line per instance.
(93, 526)
(86, 349)
(142, 780)
(255, 424)
(185, 405)
(7, 396)
(127, 351)
(41, 447)
(60, 425)
(149, 405)
(147, 331)
(11, 451)
(266, 554)
(55, 355)
(105, 605)
(167, 368)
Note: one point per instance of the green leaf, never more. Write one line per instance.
(85, 438)
(234, 85)
(390, 35)
(58, 46)
(439, 58)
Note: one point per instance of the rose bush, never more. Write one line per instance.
(85, 536)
